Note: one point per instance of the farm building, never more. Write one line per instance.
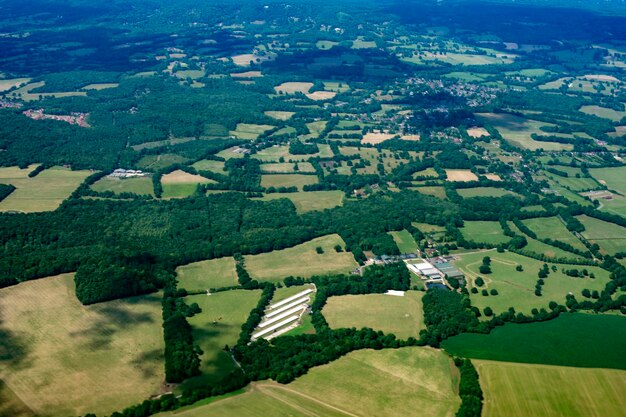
(425, 269)
(449, 270)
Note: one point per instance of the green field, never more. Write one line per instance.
(140, 185)
(610, 237)
(301, 260)
(516, 289)
(582, 340)
(309, 200)
(44, 192)
(214, 273)
(542, 248)
(384, 383)
(438, 192)
(401, 316)
(521, 390)
(154, 163)
(615, 179)
(484, 232)
(288, 180)
(287, 168)
(553, 228)
(484, 192)
(210, 165)
(250, 131)
(604, 112)
(405, 242)
(219, 324)
(59, 352)
(280, 115)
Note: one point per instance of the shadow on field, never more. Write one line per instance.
(145, 363)
(13, 349)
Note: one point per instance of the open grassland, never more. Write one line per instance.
(180, 184)
(45, 192)
(604, 112)
(383, 383)
(58, 353)
(287, 167)
(376, 138)
(484, 232)
(25, 94)
(573, 183)
(302, 260)
(214, 273)
(154, 163)
(274, 153)
(310, 200)
(477, 132)
(401, 316)
(8, 84)
(218, 325)
(405, 242)
(615, 179)
(521, 390)
(293, 88)
(517, 289)
(578, 339)
(288, 180)
(435, 191)
(139, 185)
(610, 237)
(248, 131)
(100, 86)
(280, 115)
(428, 172)
(518, 130)
(321, 95)
(247, 74)
(484, 192)
(553, 228)
(210, 165)
(538, 247)
(461, 175)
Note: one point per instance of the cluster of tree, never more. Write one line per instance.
(542, 274)
(256, 315)
(296, 147)
(446, 314)
(469, 390)
(485, 267)
(5, 190)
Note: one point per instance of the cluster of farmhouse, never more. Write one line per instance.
(436, 273)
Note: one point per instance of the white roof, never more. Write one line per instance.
(423, 265)
(293, 297)
(430, 271)
(396, 293)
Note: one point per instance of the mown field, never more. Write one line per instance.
(484, 232)
(45, 192)
(521, 390)
(610, 237)
(218, 325)
(310, 200)
(302, 260)
(517, 289)
(214, 273)
(180, 184)
(288, 180)
(383, 383)
(140, 185)
(401, 316)
(405, 242)
(577, 339)
(615, 179)
(59, 352)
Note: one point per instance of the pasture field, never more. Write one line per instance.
(435, 191)
(428, 172)
(382, 383)
(401, 316)
(325, 44)
(218, 324)
(484, 232)
(156, 162)
(542, 248)
(301, 260)
(193, 74)
(139, 185)
(461, 175)
(44, 192)
(484, 192)
(576, 339)
(249, 131)
(274, 153)
(310, 200)
(100, 86)
(573, 183)
(214, 273)
(321, 95)
(517, 289)
(517, 130)
(11, 405)
(604, 112)
(405, 242)
(477, 132)
(247, 74)
(336, 86)
(24, 92)
(293, 88)
(59, 352)
(8, 84)
(553, 228)
(610, 237)
(521, 390)
(614, 178)
(361, 43)
(210, 165)
(280, 115)
(180, 184)
(316, 128)
(287, 168)
(288, 180)
(376, 138)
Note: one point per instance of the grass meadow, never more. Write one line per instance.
(383, 383)
(542, 248)
(301, 260)
(484, 232)
(139, 185)
(210, 165)
(484, 192)
(610, 237)
(214, 273)
(553, 228)
(288, 180)
(576, 339)
(310, 200)
(401, 316)
(405, 242)
(179, 184)
(59, 352)
(521, 390)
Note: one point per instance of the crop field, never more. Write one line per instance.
(210, 165)
(477, 132)
(139, 185)
(357, 384)
(401, 316)
(179, 184)
(517, 131)
(569, 340)
(287, 167)
(610, 237)
(248, 131)
(461, 175)
(321, 95)
(302, 260)
(405, 242)
(60, 352)
(484, 232)
(293, 87)
(376, 138)
(517, 289)
(521, 390)
(219, 324)
(280, 115)
(309, 200)
(288, 180)
(604, 112)
(45, 192)
(214, 273)
(484, 192)
(553, 228)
